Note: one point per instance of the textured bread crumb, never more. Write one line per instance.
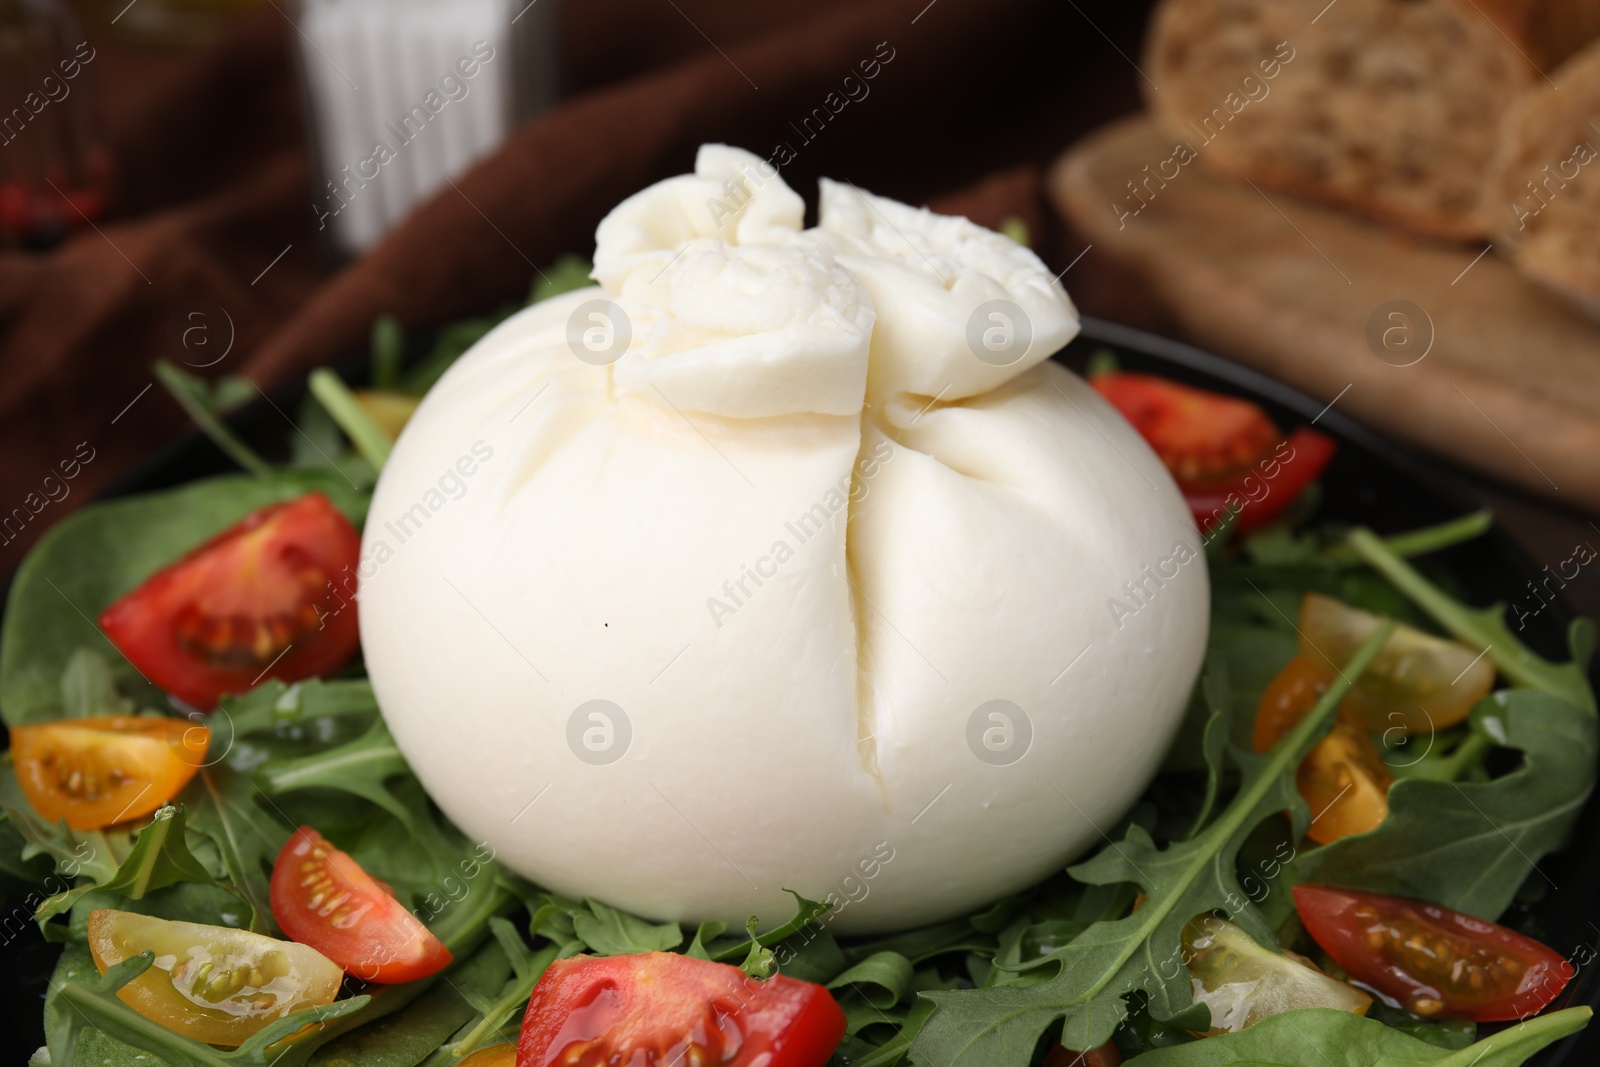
(1388, 107)
(1547, 182)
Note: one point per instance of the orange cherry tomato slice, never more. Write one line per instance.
(662, 1008)
(108, 769)
(259, 600)
(322, 898)
(1343, 778)
(1417, 684)
(1434, 961)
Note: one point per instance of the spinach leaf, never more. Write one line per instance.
(1313, 1037)
(1084, 982)
(613, 933)
(96, 554)
(1469, 845)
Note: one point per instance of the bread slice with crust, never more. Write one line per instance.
(1546, 185)
(1389, 107)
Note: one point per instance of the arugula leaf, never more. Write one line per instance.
(1469, 846)
(206, 408)
(160, 858)
(1486, 628)
(89, 687)
(360, 767)
(613, 933)
(882, 979)
(1313, 1037)
(247, 840)
(1084, 982)
(98, 553)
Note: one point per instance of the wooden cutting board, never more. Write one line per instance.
(1437, 345)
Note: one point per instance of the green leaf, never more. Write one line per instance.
(1084, 982)
(206, 409)
(401, 1039)
(89, 687)
(360, 767)
(246, 838)
(1470, 845)
(567, 274)
(368, 437)
(160, 858)
(614, 933)
(388, 351)
(707, 933)
(1314, 1037)
(98, 553)
(1486, 628)
(882, 979)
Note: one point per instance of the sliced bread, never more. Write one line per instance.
(1547, 182)
(1388, 107)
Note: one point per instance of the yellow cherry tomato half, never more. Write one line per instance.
(209, 982)
(1243, 983)
(1417, 683)
(493, 1056)
(112, 768)
(1345, 783)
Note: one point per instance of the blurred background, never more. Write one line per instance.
(246, 185)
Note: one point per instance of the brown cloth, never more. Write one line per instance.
(215, 212)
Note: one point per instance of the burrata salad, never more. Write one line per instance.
(757, 650)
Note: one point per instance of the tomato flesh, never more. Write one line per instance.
(1243, 983)
(1201, 436)
(100, 771)
(1418, 682)
(1343, 778)
(1434, 961)
(256, 601)
(1107, 1055)
(208, 982)
(658, 1009)
(322, 898)
(1265, 491)
(1225, 453)
(504, 1055)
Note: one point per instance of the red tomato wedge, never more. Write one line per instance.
(256, 601)
(1434, 961)
(1265, 491)
(322, 898)
(1224, 453)
(658, 1009)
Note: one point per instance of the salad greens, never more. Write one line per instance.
(1092, 954)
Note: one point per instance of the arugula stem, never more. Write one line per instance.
(1480, 629)
(507, 1004)
(1283, 756)
(1422, 541)
(341, 403)
(181, 386)
(1525, 1037)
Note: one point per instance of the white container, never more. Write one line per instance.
(407, 94)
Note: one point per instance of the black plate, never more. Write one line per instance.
(1370, 482)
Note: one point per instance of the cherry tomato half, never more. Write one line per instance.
(209, 982)
(108, 769)
(322, 898)
(1224, 453)
(256, 601)
(1343, 778)
(1434, 961)
(1107, 1055)
(662, 1008)
(1201, 436)
(1243, 982)
(1417, 683)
